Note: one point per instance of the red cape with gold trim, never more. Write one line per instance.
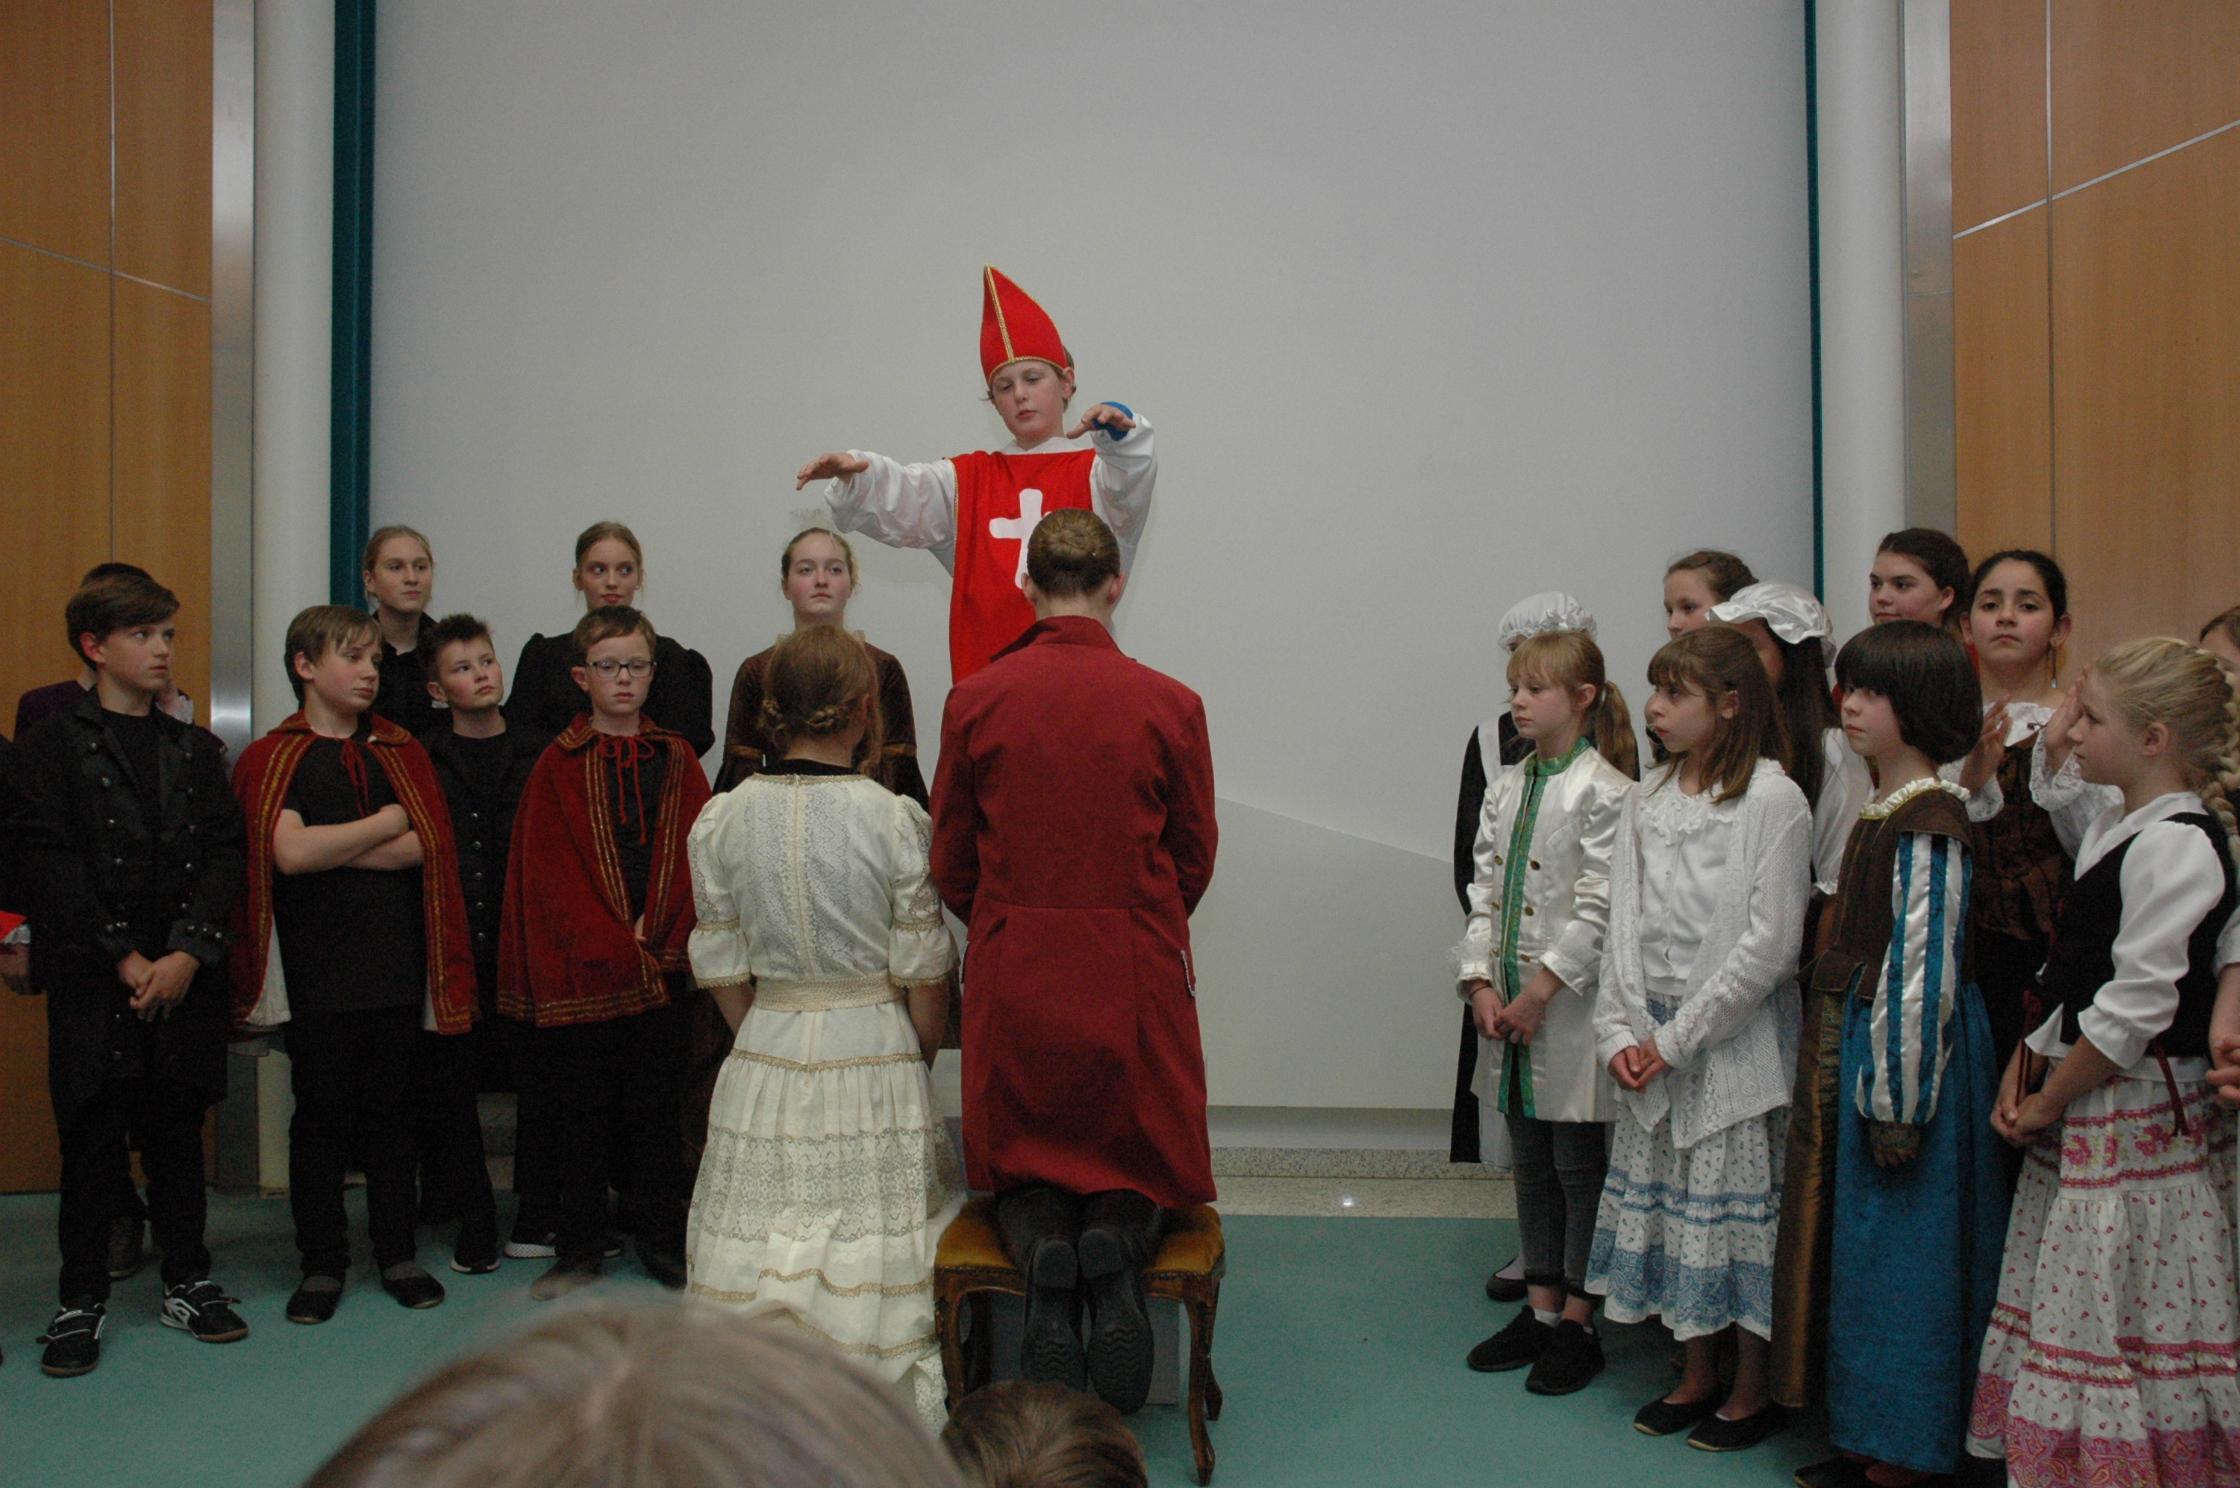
(261, 782)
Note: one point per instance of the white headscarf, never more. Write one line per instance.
(1540, 614)
(1789, 612)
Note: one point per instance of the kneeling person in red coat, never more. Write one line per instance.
(1073, 829)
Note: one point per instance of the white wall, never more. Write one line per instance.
(1431, 307)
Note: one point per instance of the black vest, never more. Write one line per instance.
(2082, 959)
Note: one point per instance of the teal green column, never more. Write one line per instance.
(349, 486)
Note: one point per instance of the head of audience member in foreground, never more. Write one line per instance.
(1694, 582)
(1073, 567)
(1711, 705)
(1921, 574)
(649, 1396)
(1021, 1435)
(2221, 638)
(820, 685)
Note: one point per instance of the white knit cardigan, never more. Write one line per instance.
(1733, 1043)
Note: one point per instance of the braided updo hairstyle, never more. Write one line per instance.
(2187, 690)
(816, 681)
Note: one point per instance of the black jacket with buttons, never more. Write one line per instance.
(102, 880)
(483, 834)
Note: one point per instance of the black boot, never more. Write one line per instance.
(1039, 1224)
(1119, 1235)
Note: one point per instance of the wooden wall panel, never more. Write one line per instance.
(54, 454)
(163, 142)
(54, 126)
(2003, 413)
(2131, 77)
(1998, 108)
(2146, 345)
(162, 484)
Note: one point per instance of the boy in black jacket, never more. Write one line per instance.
(131, 858)
(482, 760)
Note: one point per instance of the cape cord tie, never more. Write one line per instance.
(624, 753)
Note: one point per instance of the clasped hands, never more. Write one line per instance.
(157, 986)
(1518, 1020)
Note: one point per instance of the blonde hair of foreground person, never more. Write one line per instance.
(652, 1396)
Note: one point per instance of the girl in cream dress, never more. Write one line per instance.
(829, 1176)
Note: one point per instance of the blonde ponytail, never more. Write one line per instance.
(2191, 693)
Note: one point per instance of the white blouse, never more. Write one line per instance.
(1684, 846)
(815, 878)
(2171, 880)
(915, 506)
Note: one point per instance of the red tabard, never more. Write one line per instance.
(1000, 498)
(1074, 832)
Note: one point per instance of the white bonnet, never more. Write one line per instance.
(1539, 614)
(1789, 612)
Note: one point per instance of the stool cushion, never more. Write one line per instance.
(1192, 1245)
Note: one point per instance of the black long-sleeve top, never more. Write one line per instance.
(681, 699)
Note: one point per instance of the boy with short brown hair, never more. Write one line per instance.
(345, 819)
(591, 958)
(131, 862)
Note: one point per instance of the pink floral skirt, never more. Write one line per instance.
(2110, 1359)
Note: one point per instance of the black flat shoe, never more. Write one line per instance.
(1050, 1349)
(1662, 1418)
(1718, 1434)
(1119, 1348)
(73, 1340)
(1501, 1288)
(1521, 1343)
(311, 1304)
(1836, 1472)
(1572, 1359)
(413, 1288)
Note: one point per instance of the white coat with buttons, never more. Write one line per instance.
(1565, 914)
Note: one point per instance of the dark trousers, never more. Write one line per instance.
(1034, 1212)
(456, 1178)
(354, 1079)
(166, 1117)
(532, 1135)
(611, 1085)
(1560, 1166)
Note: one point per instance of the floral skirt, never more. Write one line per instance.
(1688, 1236)
(2110, 1358)
(827, 1183)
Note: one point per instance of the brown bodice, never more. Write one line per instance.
(1861, 934)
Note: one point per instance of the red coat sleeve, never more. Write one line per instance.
(539, 800)
(1191, 834)
(956, 817)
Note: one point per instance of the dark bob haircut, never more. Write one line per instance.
(1927, 676)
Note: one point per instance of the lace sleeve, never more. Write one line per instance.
(718, 947)
(1765, 955)
(919, 949)
(2073, 802)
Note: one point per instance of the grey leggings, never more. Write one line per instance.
(1559, 1171)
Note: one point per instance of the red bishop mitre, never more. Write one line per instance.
(1013, 326)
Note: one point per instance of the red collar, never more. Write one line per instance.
(380, 730)
(580, 735)
(1063, 630)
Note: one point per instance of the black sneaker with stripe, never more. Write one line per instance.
(203, 1309)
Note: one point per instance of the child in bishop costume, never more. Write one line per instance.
(1696, 1018)
(975, 512)
(1919, 1201)
(828, 1176)
(1539, 904)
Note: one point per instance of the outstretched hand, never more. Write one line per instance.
(829, 467)
(1991, 747)
(1103, 416)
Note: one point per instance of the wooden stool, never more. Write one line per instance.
(1188, 1269)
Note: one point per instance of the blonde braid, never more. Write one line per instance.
(2223, 782)
(2189, 691)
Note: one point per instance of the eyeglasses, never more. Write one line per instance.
(607, 667)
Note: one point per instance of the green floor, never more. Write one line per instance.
(1340, 1349)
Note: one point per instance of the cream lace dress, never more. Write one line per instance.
(829, 1176)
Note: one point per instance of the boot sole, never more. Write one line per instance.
(1120, 1347)
(1049, 1348)
(234, 1335)
(70, 1373)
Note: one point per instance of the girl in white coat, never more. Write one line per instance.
(1696, 1018)
(1530, 953)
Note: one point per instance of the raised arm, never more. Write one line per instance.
(1127, 468)
(903, 506)
(1915, 992)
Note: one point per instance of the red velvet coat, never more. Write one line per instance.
(261, 781)
(1073, 830)
(568, 951)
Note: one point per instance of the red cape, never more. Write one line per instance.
(261, 782)
(1074, 831)
(567, 949)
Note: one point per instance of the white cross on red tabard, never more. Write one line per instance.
(1020, 528)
